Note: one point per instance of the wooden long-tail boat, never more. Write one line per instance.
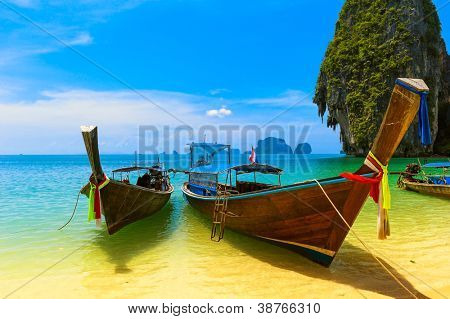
(300, 216)
(121, 202)
(414, 178)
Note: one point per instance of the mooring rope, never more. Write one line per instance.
(73, 213)
(364, 244)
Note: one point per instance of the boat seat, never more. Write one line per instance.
(246, 187)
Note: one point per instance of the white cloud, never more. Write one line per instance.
(9, 56)
(21, 40)
(222, 112)
(218, 91)
(9, 87)
(83, 38)
(50, 124)
(286, 99)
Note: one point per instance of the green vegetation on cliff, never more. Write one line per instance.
(374, 43)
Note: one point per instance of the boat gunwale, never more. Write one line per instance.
(274, 189)
(426, 184)
(149, 190)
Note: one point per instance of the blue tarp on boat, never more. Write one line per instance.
(437, 165)
(439, 180)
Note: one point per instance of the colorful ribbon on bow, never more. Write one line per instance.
(386, 193)
(379, 183)
(95, 206)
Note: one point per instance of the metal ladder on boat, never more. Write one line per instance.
(220, 213)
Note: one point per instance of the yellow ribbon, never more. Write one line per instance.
(91, 213)
(384, 183)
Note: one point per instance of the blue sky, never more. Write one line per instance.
(206, 62)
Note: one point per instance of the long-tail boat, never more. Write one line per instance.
(121, 202)
(301, 216)
(416, 179)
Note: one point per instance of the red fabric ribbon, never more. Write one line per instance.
(374, 181)
(97, 202)
(97, 206)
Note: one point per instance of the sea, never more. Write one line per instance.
(170, 255)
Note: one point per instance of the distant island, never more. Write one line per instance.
(274, 145)
(269, 145)
(235, 152)
(303, 148)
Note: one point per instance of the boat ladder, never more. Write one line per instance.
(220, 213)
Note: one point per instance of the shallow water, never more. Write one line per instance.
(170, 255)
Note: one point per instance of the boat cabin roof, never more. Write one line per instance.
(257, 168)
(137, 168)
(218, 168)
(437, 165)
(210, 146)
(129, 169)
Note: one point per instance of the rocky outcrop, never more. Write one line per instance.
(303, 148)
(273, 145)
(442, 144)
(375, 42)
(235, 153)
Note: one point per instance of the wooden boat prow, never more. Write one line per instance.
(418, 84)
(122, 203)
(299, 216)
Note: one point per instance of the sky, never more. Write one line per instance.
(249, 66)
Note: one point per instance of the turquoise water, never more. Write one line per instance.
(170, 255)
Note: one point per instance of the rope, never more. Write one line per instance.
(73, 213)
(364, 244)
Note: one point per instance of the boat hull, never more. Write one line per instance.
(430, 189)
(124, 204)
(298, 216)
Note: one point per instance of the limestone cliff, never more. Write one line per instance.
(375, 42)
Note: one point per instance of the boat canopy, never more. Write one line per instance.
(257, 168)
(218, 168)
(157, 168)
(210, 147)
(437, 165)
(215, 168)
(202, 154)
(130, 169)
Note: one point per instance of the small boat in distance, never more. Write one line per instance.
(120, 201)
(311, 217)
(424, 179)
